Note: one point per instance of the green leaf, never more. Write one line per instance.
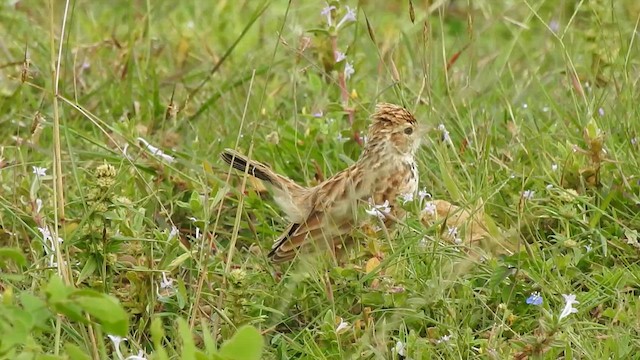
(246, 344)
(195, 202)
(209, 342)
(157, 335)
(75, 353)
(56, 290)
(87, 270)
(16, 328)
(13, 254)
(105, 309)
(71, 310)
(188, 346)
(48, 357)
(220, 194)
(36, 307)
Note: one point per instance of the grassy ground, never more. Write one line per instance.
(539, 102)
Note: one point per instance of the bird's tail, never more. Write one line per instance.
(255, 169)
(290, 196)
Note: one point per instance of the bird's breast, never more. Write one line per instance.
(397, 179)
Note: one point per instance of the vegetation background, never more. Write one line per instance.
(118, 220)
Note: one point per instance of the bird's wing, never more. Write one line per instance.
(331, 217)
(320, 228)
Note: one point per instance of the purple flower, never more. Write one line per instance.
(327, 13)
(349, 16)
(535, 299)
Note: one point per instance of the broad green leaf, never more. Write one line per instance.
(188, 346)
(87, 270)
(49, 357)
(13, 254)
(36, 307)
(56, 290)
(105, 309)
(75, 353)
(195, 202)
(70, 310)
(246, 344)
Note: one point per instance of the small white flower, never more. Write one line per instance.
(446, 137)
(116, 340)
(341, 139)
(339, 56)
(349, 16)
(554, 167)
(381, 211)
(46, 234)
(343, 325)
(423, 243)
(569, 301)
(407, 197)
(348, 70)
(400, 348)
(166, 282)
(545, 109)
(601, 111)
(39, 171)
(174, 232)
(429, 208)
(422, 194)
(634, 141)
(528, 194)
(588, 248)
(318, 114)
(326, 12)
(140, 356)
(524, 105)
(156, 152)
(166, 286)
(452, 231)
(444, 339)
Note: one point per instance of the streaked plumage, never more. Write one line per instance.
(326, 213)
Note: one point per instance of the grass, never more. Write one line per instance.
(539, 99)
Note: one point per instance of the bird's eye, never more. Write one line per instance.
(408, 131)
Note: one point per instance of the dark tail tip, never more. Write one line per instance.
(239, 162)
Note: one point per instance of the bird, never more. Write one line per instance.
(326, 214)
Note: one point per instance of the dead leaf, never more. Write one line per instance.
(471, 224)
(372, 264)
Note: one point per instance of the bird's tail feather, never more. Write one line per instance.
(255, 169)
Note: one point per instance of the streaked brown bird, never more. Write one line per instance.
(326, 213)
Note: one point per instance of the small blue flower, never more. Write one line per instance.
(535, 299)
